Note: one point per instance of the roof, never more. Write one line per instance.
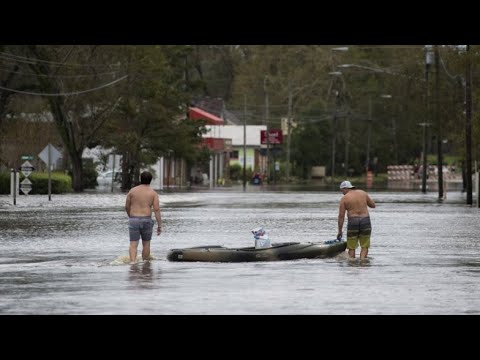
(235, 133)
(195, 113)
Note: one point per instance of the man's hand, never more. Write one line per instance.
(339, 236)
(159, 229)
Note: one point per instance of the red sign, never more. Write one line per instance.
(275, 136)
(214, 143)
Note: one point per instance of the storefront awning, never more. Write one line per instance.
(195, 113)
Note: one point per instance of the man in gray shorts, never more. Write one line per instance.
(138, 205)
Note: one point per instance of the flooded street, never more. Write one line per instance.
(65, 256)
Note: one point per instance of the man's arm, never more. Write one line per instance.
(156, 211)
(341, 218)
(128, 204)
(370, 202)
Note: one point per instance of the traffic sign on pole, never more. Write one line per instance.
(54, 154)
(26, 186)
(50, 155)
(26, 168)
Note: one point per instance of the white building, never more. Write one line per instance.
(235, 132)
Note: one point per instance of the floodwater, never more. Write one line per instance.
(65, 256)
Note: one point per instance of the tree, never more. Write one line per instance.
(150, 119)
(78, 114)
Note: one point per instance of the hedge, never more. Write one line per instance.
(61, 183)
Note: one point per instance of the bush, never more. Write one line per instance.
(61, 183)
(236, 172)
(5, 183)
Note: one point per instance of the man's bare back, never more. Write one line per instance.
(140, 201)
(356, 203)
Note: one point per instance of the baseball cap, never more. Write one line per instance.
(346, 185)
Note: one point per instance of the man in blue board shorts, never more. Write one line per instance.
(139, 203)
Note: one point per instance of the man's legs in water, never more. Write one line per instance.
(133, 251)
(145, 250)
(352, 243)
(364, 244)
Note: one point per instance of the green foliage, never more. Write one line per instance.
(141, 117)
(279, 69)
(236, 172)
(202, 157)
(5, 183)
(148, 121)
(311, 147)
(447, 160)
(61, 183)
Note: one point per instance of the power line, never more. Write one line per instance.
(64, 94)
(56, 76)
(27, 60)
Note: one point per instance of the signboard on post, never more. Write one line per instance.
(26, 168)
(275, 136)
(26, 186)
(54, 154)
(50, 155)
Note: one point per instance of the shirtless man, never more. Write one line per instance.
(138, 205)
(355, 203)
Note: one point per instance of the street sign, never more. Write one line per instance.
(275, 136)
(26, 168)
(26, 182)
(54, 154)
(27, 157)
(26, 186)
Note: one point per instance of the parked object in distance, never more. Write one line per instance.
(276, 252)
(105, 178)
(257, 179)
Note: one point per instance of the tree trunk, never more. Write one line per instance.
(77, 171)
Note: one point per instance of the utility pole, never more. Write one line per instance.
(369, 134)
(347, 141)
(428, 62)
(437, 122)
(244, 142)
(424, 156)
(113, 171)
(334, 133)
(266, 123)
(335, 115)
(289, 129)
(468, 126)
(394, 130)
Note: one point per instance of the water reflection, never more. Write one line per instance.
(345, 260)
(357, 262)
(141, 274)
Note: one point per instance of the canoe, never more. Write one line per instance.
(278, 251)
